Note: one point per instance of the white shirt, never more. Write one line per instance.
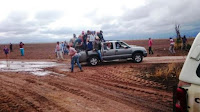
(92, 38)
(59, 47)
(171, 42)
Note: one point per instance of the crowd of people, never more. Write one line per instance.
(171, 45)
(91, 40)
(9, 49)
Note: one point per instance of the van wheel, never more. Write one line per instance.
(93, 60)
(137, 57)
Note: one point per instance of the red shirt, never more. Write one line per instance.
(150, 43)
(21, 45)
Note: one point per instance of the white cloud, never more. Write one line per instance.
(59, 19)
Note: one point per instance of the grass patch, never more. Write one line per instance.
(166, 74)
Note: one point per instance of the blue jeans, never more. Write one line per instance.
(99, 53)
(66, 51)
(22, 51)
(75, 59)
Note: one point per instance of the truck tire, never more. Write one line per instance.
(137, 57)
(93, 60)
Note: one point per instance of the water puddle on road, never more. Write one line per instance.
(35, 68)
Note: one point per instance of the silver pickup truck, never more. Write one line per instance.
(112, 50)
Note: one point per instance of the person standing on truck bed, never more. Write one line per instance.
(91, 40)
(85, 36)
(74, 58)
(78, 44)
(72, 40)
(97, 47)
(100, 35)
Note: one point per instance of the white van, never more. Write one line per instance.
(188, 93)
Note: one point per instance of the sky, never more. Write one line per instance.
(43, 21)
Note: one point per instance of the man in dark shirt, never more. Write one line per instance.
(184, 40)
(11, 49)
(100, 35)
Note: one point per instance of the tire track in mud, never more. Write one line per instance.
(130, 99)
(90, 93)
(123, 90)
(10, 91)
(110, 81)
(24, 96)
(104, 86)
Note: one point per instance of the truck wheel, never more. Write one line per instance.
(93, 60)
(137, 57)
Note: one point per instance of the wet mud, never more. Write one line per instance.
(109, 87)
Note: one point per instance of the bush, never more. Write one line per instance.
(171, 70)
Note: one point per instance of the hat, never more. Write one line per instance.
(101, 31)
(97, 38)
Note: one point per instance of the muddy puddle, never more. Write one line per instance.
(35, 68)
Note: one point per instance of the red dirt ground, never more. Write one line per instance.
(109, 87)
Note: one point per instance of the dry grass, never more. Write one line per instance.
(171, 70)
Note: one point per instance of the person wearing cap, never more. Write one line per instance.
(97, 47)
(100, 35)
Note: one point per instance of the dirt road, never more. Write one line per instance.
(109, 87)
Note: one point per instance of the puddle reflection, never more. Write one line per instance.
(35, 68)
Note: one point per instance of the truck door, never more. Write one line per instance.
(108, 51)
(122, 50)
